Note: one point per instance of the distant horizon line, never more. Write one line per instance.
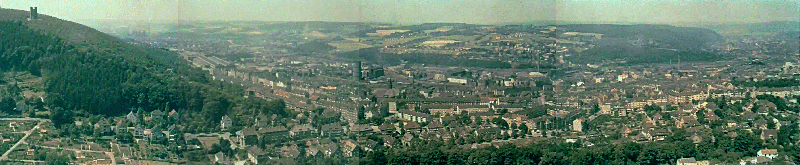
(533, 22)
(540, 22)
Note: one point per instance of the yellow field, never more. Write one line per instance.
(390, 42)
(348, 46)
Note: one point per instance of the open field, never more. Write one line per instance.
(348, 46)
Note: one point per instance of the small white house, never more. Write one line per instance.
(226, 122)
(769, 153)
(686, 161)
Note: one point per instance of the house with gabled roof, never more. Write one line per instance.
(172, 130)
(131, 117)
(261, 121)
(331, 130)
(330, 116)
(686, 122)
(302, 131)
(349, 148)
(290, 151)
(138, 132)
(257, 156)
(274, 134)
(686, 161)
(155, 133)
(361, 129)
(120, 127)
(386, 128)
(226, 123)
(157, 115)
(411, 127)
(172, 113)
(220, 158)
(407, 139)
(434, 126)
(103, 126)
(769, 153)
(490, 131)
(248, 136)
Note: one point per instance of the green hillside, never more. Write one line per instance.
(672, 44)
(670, 36)
(753, 28)
(90, 73)
(642, 55)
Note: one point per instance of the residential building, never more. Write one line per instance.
(414, 116)
(274, 134)
(331, 130)
(256, 156)
(769, 153)
(226, 123)
(302, 131)
(577, 125)
(686, 161)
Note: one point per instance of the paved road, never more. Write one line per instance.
(24, 119)
(22, 140)
(26, 161)
(70, 149)
(29, 132)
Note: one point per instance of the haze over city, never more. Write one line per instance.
(423, 11)
(377, 82)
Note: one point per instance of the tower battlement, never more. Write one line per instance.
(34, 14)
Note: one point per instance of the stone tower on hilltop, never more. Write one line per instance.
(34, 14)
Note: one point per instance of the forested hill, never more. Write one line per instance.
(88, 72)
(660, 44)
(73, 32)
(673, 37)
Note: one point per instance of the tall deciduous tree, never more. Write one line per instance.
(7, 104)
(60, 117)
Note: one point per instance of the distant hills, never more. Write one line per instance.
(643, 55)
(752, 28)
(669, 43)
(671, 36)
(374, 55)
(789, 35)
(314, 47)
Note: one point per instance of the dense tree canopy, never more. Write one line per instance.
(113, 77)
(771, 83)
(56, 159)
(725, 150)
(7, 104)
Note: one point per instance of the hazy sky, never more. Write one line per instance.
(421, 11)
